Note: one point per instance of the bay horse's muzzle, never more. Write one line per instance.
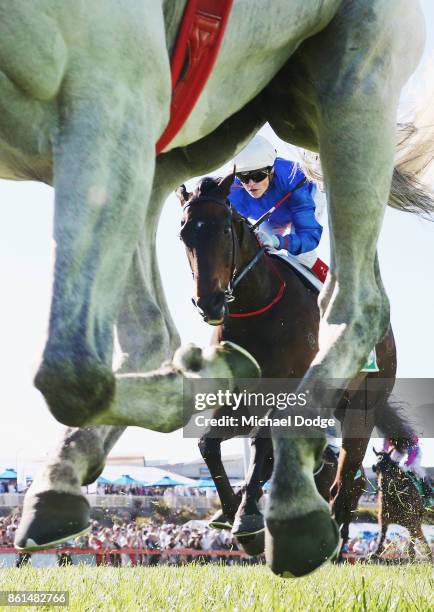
(212, 308)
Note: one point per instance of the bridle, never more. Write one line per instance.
(237, 276)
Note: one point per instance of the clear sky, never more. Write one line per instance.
(26, 252)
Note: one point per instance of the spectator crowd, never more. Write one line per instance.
(194, 535)
(159, 538)
(8, 486)
(106, 541)
(154, 491)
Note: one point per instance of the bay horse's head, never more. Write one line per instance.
(207, 231)
(385, 464)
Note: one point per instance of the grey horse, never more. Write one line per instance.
(84, 97)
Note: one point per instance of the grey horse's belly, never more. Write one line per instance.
(260, 38)
(16, 165)
(27, 129)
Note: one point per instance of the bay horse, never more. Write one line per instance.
(399, 502)
(235, 287)
(85, 95)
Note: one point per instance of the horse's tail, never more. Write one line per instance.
(414, 160)
(393, 420)
(414, 167)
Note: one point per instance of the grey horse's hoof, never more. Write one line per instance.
(248, 524)
(253, 545)
(298, 546)
(51, 518)
(241, 363)
(220, 521)
(222, 360)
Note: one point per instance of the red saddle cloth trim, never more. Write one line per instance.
(320, 269)
(197, 45)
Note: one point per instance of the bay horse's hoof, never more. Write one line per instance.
(220, 521)
(248, 524)
(298, 546)
(51, 518)
(253, 545)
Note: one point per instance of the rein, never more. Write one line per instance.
(236, 278)
(271, 210)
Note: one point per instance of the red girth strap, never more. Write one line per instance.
(196, 48)
(277, 297)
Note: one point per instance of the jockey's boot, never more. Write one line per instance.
(320, 269)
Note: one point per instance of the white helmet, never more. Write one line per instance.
(259, 153)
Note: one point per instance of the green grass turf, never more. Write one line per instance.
(212, 587)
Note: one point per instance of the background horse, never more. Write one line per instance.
(282, 335)
(85, 92)
(399, 502)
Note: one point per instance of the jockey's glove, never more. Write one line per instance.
(270, 241)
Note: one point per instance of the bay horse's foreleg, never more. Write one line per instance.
(383, 531)
(357, 426)
(249, 519)
(356, 84)
(345, 534)
(210, 449)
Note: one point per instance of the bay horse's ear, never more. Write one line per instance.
(376, 453)
(182, 194)
(225, 183)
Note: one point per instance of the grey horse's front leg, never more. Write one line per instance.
(112, 112)
(55, 508)
(357, 66)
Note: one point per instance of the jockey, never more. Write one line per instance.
(262, 181)
(408, 456)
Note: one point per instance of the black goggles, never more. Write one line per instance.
(254, 175)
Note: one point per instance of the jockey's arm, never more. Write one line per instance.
(306, 231)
